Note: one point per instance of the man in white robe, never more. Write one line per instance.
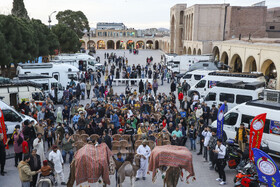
(56, 157)
(145, 152)
(38, 144)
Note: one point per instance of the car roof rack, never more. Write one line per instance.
(244, 74)
(241, 85)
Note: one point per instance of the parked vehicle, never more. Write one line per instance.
(183, 63)
(83, 62)
(15, 92)
(245, 112)
(212, 79)
(13, 118)
(193, 77)
(234, 92)
(46, 82)
(63, 73)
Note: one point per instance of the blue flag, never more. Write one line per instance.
(220, 122)
(268, 171)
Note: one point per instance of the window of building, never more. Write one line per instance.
(231, 118)
(227, 97)
(272, 27)
(243, 98)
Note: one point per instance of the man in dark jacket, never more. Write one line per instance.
(201, 127)
(141, 86)
(213, 113)
(107, 139)
(206, 112)
(173, 86)
(35, 165)
(29, 131)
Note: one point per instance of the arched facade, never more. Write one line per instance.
(101, 44)
(224, 58)
(199, 52)
(216, 53)
(140, 44)
(149, 44)
(110, 44)
(91, 44)
(194, 51)
(268, 68)
(236, 63)
(189, 51)
(250, 64)
(185, 50)
(130, 44)
(156, 44)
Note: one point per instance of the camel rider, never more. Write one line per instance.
(145, 152)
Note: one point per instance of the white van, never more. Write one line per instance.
(234, 92)
(183, 63)
(63, 73)
(16, 92)
(204, 85)
(244, 113)
(193, 77)
(46, 82)
(81, 61)
(13, 118)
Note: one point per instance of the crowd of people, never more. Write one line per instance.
(144, 112)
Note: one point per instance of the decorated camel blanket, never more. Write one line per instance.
(92, 162)
(171, 155)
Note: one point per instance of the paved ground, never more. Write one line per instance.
(204, 177)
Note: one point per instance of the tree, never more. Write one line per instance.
(19, 9)
(68, 39)
(74, 20)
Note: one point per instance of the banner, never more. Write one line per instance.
(220, 122)
(256, 132)
(3, 128)
(267, 169)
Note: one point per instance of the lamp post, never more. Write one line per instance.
(50, 18)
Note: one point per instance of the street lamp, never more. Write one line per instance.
(50, 18)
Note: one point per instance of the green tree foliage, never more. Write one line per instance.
(68, 39)
(74, 20)
(23, 40)
(19, 9)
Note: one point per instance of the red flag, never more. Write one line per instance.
(3, 128)
(256, 132)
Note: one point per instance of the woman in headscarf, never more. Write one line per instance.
(59, 118)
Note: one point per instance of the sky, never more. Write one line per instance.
(138, 14)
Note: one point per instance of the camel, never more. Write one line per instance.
(171, 176)
(127, 169)
(90, 164)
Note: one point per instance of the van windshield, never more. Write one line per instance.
(230, 118)
(10, 115)
(201, 84)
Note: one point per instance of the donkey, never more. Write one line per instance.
(128, 169)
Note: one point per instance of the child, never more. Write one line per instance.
(119, 157)
(25, 148)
